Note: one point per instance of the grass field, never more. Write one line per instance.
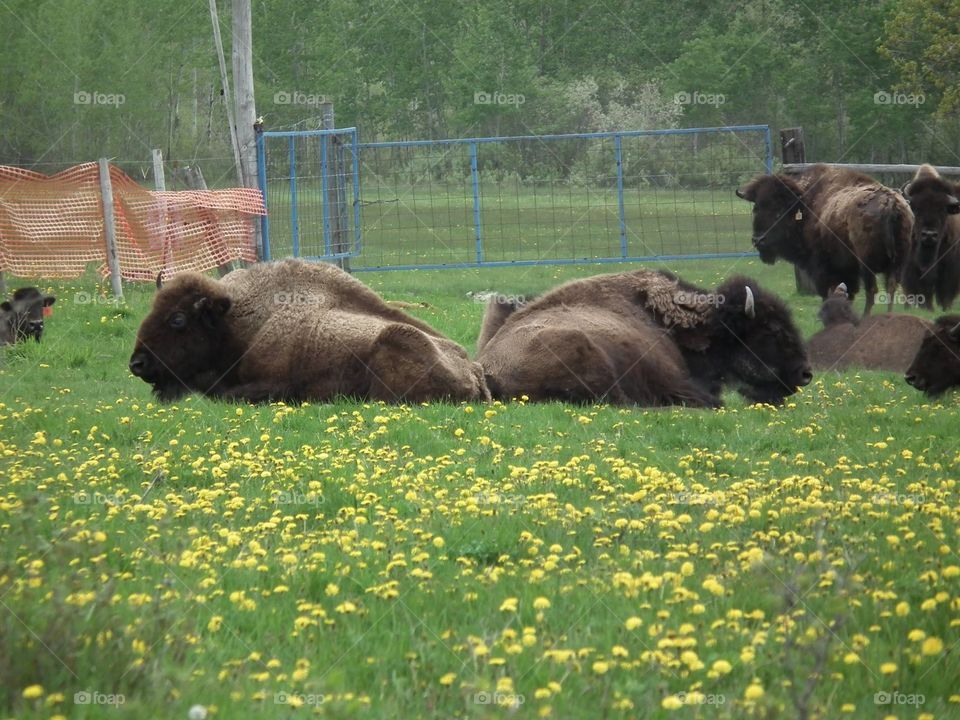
(471, 561)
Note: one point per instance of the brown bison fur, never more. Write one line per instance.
(648, 338)
(879, 342)
(296, 331)
(838, 225)
(933, 268)
(936, 367)
(21, 316)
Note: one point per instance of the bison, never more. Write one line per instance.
(295, 331)
(838, 225)
(933, 268)
(645, 338)
(21, 316)
(936, 366)
(879, 342)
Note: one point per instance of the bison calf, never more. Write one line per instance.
(838, 225)
(880, 342)
(295, 331)
(933, 268)
(646, 338)
(936, 366)
(21, 316)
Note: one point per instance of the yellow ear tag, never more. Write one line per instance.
(799, 215)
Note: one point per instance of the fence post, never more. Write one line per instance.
(618, 151)
(475, 175)
(793, 151)
(263, 252)
(160, 184)
(333, 212)
(110, 228)
(294, 219)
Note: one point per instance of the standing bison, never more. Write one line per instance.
(933, 269)
(645, 338)
(295, 331)
(936, 367)
(838, 225)
(879, 342)
(21, 316)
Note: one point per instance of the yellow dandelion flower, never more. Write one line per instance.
(671, 702)
(32, 692)
(888, 668)
(932, 646)
(754, 692)
(448, 679)
(541, 603)
(509, 605)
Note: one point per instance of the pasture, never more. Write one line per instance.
(472, 561)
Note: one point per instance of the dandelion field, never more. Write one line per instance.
(469, 561)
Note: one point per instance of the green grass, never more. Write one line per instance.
(431, 224)
(381, 561)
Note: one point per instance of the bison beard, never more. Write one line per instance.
(647, 338)
(294, 331)
(838, 225)
(936, 367)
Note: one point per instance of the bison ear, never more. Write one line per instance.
(749, 307)
(48, 300)
(211, 310)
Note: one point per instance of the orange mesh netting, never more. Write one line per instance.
(53, 226)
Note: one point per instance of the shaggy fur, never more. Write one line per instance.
(838, 225)
(933, 269)
(296, 331)
(648, 338)
(21, 316)
(936, 367)
(880, 342)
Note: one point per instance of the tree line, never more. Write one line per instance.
(869, 82)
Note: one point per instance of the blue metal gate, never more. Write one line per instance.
(311, 192)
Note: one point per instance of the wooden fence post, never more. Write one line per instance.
(160, 184)
(110, 228)
(792, 150)
(335, 195)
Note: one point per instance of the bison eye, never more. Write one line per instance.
(178, 321)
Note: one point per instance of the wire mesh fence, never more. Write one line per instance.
(517, 200)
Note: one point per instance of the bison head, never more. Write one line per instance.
(185, 343)
(755, 339)
(936, 366)
(837, 309)
(933, 200)
(778, 214)
(24, 313)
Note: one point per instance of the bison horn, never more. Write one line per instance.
(740, 194)
(159, 279)
(841, 289)
(749, 309)
(953, 205)
(955, 333)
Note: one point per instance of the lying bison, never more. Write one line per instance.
(879, 342)
(21, 316)
(647, 338)
(838, 225)
(933, 268)
(295, 331)
(936, 367)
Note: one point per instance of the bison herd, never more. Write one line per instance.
(298, 331)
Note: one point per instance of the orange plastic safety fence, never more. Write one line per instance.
(53, 226)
